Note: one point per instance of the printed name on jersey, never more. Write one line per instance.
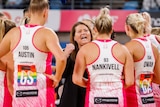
(105, 100)
(26, 93)
(148, 64)
(26, 54)
(105, 66)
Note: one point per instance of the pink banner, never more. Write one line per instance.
(63, 20)
(69, 17)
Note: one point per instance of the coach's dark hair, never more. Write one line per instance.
(72, 34)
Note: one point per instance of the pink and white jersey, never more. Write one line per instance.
(154, 40)
(31, 87)
(105, 86)
(141, 94)
(2, 87)
(156, 87)
(5, 97)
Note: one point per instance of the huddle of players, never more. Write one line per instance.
(118, 75)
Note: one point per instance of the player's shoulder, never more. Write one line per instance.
(46, 30)
(49, 29)
(89, 46)
(132, 43)
(14, 30)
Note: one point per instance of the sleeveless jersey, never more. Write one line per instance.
(141, 94)
(153, 39)
(2, 87)
(156, 87)
(105, 86)
(5, 96)
(31, 87)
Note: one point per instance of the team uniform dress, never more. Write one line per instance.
(31, 87)
(156, 87)
(154, 40)
(141, 93)
(5, 96)
(2, 88)
(105, 83)
(2, 75)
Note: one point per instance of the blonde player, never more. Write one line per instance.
(109, 66)
(146, 63)
(152, 35)
(5, 65)
(32, 46)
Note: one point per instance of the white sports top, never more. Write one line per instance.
(105, 86)
(105, 68)
(142, 90)
(153, 39)
(30, 84)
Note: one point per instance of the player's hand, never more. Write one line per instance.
(69, 48)
(52, 77)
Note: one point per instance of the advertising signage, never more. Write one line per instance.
(63, 20)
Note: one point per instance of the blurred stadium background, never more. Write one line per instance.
(64, 13)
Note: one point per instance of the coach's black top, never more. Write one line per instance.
(73, 95)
